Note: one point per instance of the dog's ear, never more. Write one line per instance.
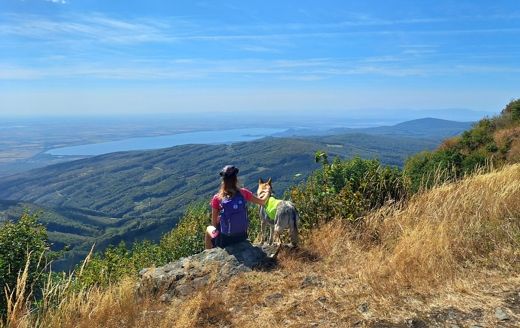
(260, 181)
(269, 181)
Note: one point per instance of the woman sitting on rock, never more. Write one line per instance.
(229, 211)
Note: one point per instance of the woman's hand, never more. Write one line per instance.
(262, 198)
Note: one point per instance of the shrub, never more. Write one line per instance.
(116, 263)
(187, 238)
(427, 169)
(479, 135)
(21, 243)
(345, 189)
(490, 141)
(513, 110)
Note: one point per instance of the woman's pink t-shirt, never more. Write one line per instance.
(215, 201)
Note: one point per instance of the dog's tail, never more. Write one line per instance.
(294, 232)
(295, 220)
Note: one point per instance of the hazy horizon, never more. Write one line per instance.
(353, 118)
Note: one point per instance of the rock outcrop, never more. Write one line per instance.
(216, 266)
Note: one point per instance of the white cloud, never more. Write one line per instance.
(58, 1)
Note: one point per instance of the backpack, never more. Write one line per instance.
(233, 215)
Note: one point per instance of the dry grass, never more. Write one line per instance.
(443, 232)
(449, 143)
(118, 306)
(457, 245)
(514, 152)
(454, 246)
(17, 307)
(512, 136)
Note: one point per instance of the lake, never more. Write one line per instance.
(142, 143)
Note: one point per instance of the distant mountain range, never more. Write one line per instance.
(429, 128)
(141, 194)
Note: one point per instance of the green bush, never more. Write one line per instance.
(116, 262)
(22, 242)
(345, 189)
(427, 169)
(479, 135)
(513, 110)
(187, 238)
(475, 149)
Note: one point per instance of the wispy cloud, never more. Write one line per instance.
(93, 27)
(100, 28)
(102, 47)
(201, 69)
(259, 49)
(62, 2)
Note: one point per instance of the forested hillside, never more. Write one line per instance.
(140, 195)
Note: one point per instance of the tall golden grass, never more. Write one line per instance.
(443, 232)
(449, 246)
(509, 136)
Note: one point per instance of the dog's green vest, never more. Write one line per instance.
(270, 207)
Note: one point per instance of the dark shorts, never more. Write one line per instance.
(223, 240)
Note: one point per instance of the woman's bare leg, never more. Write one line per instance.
(207, 241)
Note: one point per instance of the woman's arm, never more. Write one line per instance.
(262, 199)
(214, 216)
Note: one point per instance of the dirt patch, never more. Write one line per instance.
(453, 317)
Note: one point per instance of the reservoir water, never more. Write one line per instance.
(142, 143)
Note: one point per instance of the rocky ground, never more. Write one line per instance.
(216, 267)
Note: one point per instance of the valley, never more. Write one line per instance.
(128, 196)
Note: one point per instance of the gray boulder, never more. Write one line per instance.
(215, 266)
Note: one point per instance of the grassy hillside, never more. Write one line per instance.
(447, 257)
(136, 195)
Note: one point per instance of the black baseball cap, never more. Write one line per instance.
(228, 171)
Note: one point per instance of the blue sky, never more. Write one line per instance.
(124, 57)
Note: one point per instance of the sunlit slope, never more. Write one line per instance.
(449, 256)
